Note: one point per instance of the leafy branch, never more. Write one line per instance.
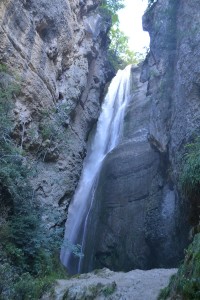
(119, 54)
(75, 249)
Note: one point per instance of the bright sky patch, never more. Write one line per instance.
(130, 19)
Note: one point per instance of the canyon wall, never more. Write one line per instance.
(57, 55)
(143, 217)
(56, 52)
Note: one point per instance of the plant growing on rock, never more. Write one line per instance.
(186, 284)
(190, 178)
(29, 268)
(119, 53)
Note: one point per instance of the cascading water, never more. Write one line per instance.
(109, 128)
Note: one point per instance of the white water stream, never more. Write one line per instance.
(109, 129)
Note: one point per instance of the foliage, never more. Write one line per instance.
(119, 53)
(26, 286)
(26, 268)
(109, 289)
(52, 120)
(33, 253)
(75, 249)
(190, 178)
(12, 169)
(112, 7)
(186, 284)
(32, 288)
(3, 68)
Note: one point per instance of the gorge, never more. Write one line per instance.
(106, 137)
(141, 215)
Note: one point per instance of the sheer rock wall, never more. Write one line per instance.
(144, 218)
(56, 51)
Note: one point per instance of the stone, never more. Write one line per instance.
(159, 125)
(47, 50)
(105, 284)
(136, 219)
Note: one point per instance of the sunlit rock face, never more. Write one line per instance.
(57, 52)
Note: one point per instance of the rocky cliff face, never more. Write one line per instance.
(57, 52)
(137, 207)
(144, 216)
(172, 71)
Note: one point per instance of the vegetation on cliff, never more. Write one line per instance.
(186, 284)
(119, 53)
(28, 254)
(190, 179)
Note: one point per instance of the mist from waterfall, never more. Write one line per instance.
(106, 137)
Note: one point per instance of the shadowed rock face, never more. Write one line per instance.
(136, 210)
(139, 187)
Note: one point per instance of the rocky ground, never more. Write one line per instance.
(105, 284)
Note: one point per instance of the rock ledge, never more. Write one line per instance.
(105, 284)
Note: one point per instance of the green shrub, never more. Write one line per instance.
(30, 287)
(28, 253)
(3, 68)
(119, 54)
(109, 289)
(190, 178)
(27, 286)
(186, 284)
(53, 121)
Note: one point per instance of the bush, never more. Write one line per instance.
(26, 286)
(28, 253)
(190, 178)
(119, 54)
(186, 284)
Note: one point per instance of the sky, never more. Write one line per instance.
(130, 19)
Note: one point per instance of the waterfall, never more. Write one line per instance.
(109, 129)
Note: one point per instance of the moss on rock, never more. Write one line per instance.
(186, 284)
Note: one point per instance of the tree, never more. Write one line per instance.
(120, 54)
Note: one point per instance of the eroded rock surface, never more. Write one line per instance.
(172, 72)
(144, 216)
(105, 284)
(57, 54)
(136, 210)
